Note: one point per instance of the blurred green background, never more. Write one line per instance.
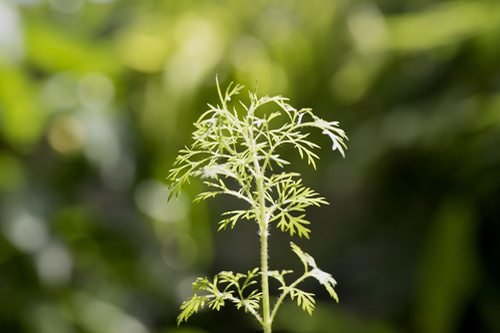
(97, 97)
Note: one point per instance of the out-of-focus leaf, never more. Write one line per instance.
(447, 23)
(325, 319)
(21, 119)
(12, 175)
(54, 50)
(448, 269)
(145, 45)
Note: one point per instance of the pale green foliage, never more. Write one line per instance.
(236, 155)
(303, 298)
(216, 298)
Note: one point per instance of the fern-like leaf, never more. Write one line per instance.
(191, 306)
(303, 298)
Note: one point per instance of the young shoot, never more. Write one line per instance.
(238, 155)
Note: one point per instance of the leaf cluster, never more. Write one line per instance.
(304, 299)
(233, 154)
(216, 294)
(237, 155)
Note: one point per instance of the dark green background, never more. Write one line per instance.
(97, 97)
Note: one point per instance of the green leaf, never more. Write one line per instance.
(306, 258)
(303, 298)
(249, 280)
(216, 303)
(191, 306)
(331, 291)
(236, 215)
(324, 278)
(294, 225)
(280, 276)
(300, 254)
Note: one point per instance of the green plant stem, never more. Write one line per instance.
(263, 228)
(265, 282)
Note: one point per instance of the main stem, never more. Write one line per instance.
(265, 282)
(263, 226)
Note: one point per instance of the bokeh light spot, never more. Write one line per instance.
(103, 317)
(118, 173)
(143, 52)
(54, 264)
(66, 135)
(26, 232)
(274, 26)
(101, 138)
(179, 250)
(201, 45)
(95, 90)
(67, 6)
(59, 92)
(48, 318)
(247, 53)
(151, 197)
(11, 43)
(351, 81)
(367, 26)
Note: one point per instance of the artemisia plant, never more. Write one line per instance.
(237, 154)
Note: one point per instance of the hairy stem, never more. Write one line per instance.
(263, 229)
(265, 282)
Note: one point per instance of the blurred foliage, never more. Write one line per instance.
(97, 97)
